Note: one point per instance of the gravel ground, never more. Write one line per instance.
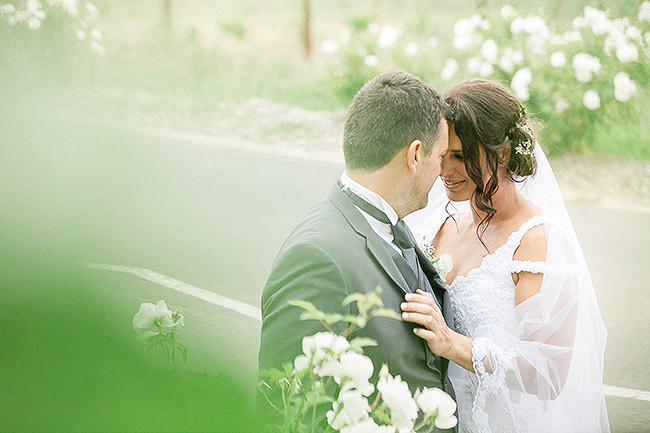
(261, 125)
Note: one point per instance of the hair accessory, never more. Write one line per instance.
(525, 147)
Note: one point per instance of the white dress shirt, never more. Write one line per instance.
(382, 229)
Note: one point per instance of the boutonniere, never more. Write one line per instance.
(442, 264)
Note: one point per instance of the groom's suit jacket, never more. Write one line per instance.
(334, 252)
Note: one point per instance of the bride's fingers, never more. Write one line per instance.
(426, 320)
(425, 334)
(417, 307)
(422, 299)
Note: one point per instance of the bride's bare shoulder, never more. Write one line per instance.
(451, 226)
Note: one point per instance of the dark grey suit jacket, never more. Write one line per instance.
(334, 252)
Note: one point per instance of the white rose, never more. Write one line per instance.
(368, 425)
(489, 51)
(396, 395)
(7, 9)
(579, 22)
(465, 34)
(91, 10)
(34, 23)
(371, 60)
(585, 66)
(624, 87)
(591, 100)
(634, 33)
(506, 64)
(558, 59)
(506, 12)
(313, 347)
(388, 35)
(571, 36)
(509, 59)
(644, 12)
(485, 69)
(97, 48)
(157, 318)
(96, 35)
(434, 399)
(598, 21)
(444, 265)
(412, 49)
(353, 408)
(81, 35)
(329, 46)
(473, 64)
(627, 52)
(520, 82)
(352, 368)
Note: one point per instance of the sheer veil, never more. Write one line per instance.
(554, 350)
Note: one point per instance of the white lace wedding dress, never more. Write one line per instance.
(538, 365)
(486, 296)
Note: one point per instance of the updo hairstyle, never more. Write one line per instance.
(488, 118)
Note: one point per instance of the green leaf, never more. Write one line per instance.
(287, 367)
(354, 297)
(355, 320)
(181, 348)
(318, 400)
(272, 374)
(363, 342)
(331, 319)
(308, 306)
(156, 340)
(385, 312)
(308, 315)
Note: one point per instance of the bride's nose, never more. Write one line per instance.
(445, 167)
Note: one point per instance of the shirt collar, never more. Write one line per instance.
(370, 196)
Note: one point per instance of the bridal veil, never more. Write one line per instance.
(554, 351)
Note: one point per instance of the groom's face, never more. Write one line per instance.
(429, 171)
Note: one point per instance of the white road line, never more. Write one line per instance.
(255, 313)
(188, 289)
(617, 391)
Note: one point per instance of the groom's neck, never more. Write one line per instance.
(382, 182)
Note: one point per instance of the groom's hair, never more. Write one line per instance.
(386, 115)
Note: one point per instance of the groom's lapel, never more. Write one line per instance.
(374, 243)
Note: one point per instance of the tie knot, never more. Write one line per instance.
(401, 235)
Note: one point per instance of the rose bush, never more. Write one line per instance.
(332, 376)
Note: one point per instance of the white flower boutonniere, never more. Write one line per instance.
(443, 264)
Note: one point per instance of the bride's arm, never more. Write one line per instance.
(537, 358)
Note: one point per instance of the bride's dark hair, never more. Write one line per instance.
(488, 118)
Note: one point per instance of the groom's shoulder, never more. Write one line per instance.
(324, 226)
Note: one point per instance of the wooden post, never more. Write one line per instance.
(167, 15)
(307, 28)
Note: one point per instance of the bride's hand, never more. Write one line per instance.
(420, 308)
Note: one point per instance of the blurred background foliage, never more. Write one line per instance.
(317, 53)
(75, 192)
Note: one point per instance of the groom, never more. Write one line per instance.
(355, 240)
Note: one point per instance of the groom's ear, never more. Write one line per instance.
(414, 154)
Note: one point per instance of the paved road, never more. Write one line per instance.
(215, 219)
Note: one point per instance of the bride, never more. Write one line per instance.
(522, 329)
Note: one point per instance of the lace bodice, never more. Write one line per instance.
(486, 295)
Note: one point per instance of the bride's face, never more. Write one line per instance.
(457, 183)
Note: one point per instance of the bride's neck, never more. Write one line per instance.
(507, 201)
